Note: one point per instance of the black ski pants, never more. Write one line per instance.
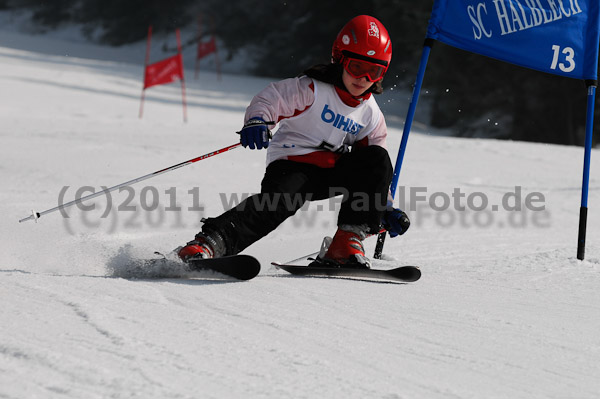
(362, 176)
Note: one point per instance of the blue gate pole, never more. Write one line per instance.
(589, 128)
(407, 125)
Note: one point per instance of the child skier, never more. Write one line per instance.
(331, 141)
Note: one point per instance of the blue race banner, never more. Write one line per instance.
(556, 36)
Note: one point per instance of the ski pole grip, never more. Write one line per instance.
(259, 123)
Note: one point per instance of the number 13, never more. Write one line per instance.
(569, 53)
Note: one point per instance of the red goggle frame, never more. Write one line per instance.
(360, 68)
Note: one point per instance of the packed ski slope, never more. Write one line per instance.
(504, 310)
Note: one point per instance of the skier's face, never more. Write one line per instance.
(355, 86)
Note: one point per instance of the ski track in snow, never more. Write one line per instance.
(503, 310)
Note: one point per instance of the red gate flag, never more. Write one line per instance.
(163, 72)
(206, 48)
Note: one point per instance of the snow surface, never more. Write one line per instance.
(503, 310)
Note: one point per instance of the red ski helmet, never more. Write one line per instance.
(364, 38)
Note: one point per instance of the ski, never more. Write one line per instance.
(407, 274)
(241, 267)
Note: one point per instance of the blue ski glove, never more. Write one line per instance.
(255, 134)
(395, 221)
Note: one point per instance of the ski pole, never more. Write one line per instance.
(37, 215)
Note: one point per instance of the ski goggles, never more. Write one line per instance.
(361, 68)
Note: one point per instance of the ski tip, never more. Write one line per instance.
(250, 270)
(406, 273)
(240, 267)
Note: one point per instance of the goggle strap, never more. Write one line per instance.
(350, 54)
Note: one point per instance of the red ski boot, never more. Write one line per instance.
(346, 249)
(203, 246)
